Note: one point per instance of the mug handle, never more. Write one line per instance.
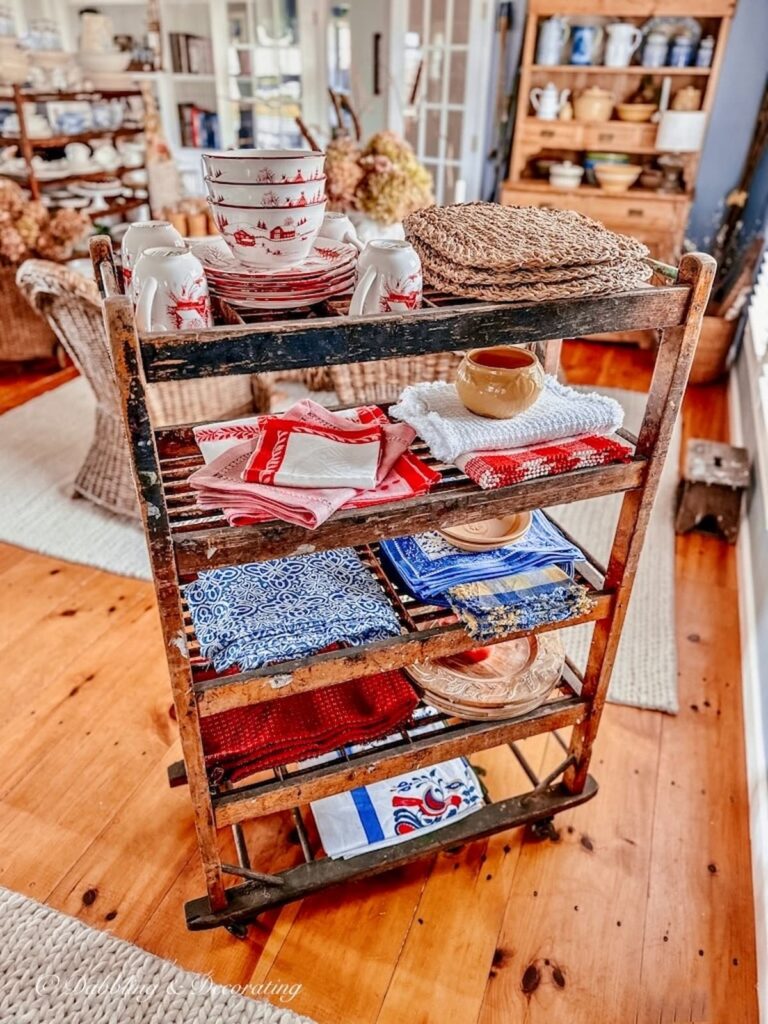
(144, 304)
(638, 38)
(348, 236)
(535, 95)
(360, 293)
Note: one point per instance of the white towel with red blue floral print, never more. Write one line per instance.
(395, 810)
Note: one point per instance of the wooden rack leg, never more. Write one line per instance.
(119, 323)
(670, 376)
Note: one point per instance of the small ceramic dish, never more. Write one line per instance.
(636, 113)
(617, 177)
(500, 381)
(488, 533)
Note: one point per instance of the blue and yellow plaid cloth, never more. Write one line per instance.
(492, 608)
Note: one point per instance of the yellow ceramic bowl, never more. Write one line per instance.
(499, 382)
(617, 177)
(636, 112)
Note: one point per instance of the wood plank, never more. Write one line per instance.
(261, 348)
(445, 506)
(301, 675)
(409, 755)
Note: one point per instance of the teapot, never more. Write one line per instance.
(594, 104)
(553, 35)
(548, 102)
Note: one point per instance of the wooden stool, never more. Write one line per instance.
(716, 476)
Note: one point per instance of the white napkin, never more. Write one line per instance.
(450, 429)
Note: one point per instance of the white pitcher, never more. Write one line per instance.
(388, 278)
(173, 291)
(553, 35)
(548, 102)
(623, 40)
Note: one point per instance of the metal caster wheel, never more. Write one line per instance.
(544, 829)
(240, 931)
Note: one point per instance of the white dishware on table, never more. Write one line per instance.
(565, 175)
(623, 39)
(268, 236)
(172, 291)
(280, 196)
(78, 156)
(553, 35)
(148, 234)
(339, 227)
(265, 166)
(389, 279)
(548, 102)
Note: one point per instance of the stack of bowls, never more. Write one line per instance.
(268, 204)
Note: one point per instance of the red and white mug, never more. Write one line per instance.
(388, 278)
(172, 291)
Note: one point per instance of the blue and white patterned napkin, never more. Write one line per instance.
(265, 612)
(428, 564)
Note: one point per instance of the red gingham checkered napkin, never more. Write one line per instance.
(503, 468)
(245, 740)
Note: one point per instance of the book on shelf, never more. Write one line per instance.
(199, 127)
(191, 54)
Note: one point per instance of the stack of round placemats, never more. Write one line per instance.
(523, 253)
(510, 678)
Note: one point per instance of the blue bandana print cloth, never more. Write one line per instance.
(430, 565)
(494, 608)
(265, 612)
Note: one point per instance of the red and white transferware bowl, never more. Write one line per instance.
(265, 166)
(286, 196)
(326, 256)
(265, 236)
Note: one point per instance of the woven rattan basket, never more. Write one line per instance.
(382, 380)
(24, 333)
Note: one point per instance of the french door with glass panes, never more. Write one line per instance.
(439, 94)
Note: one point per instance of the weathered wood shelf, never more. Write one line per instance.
(184, 541)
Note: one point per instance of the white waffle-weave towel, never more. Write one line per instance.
(450, 429)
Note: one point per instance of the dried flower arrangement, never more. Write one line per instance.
(27, 229)
(383, 179)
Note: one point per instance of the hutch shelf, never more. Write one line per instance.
(184, 541)
(657, 218)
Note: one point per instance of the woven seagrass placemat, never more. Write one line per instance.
(488, 236)
(541, 291)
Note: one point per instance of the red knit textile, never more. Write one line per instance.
(245, 740)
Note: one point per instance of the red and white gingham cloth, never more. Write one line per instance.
(296, 453)
(277, 732)
(514, 465)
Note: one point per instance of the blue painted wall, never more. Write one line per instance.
(737, 100)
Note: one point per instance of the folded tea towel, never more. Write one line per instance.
(227, 447)
(394, 810)
(494, 608)
(265, 612)
(514, 465)
(277, 732)
(436, 413)
(428, 564)
(291, 453)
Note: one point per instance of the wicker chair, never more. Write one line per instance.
(70, 304)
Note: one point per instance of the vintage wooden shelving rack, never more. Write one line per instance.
(183, 541)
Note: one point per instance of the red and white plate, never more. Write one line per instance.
(326, 256)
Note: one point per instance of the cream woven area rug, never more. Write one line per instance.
(55, 968)
(43, 443)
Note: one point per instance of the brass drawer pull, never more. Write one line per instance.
(634, 212)
(547, 133)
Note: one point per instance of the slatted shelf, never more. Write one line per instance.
(412, 750)
(428, 632)
(204, 540)
(244, 901)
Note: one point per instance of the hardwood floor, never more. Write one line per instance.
(640, 912)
